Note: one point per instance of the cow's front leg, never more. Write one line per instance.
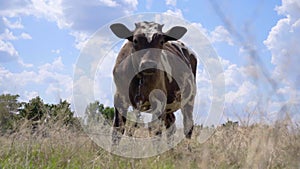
(188, 96)
(132, 119)
(155, 131)
(170, 127)
(119, 119)
(188, 122)
(158, 102)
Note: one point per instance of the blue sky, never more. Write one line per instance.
(40, 42)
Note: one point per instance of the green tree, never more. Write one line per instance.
(108, 113)
(95, 110)
(92, 112)
(35, 110)
(9, 110)
(61, 112)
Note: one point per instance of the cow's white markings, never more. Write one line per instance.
(149, 29)
(166, 64)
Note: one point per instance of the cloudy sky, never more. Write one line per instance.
(256, 41)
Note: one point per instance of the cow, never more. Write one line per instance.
(144, 78)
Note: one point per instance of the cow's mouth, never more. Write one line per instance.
(149, 72)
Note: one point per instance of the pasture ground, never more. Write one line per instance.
(232, 146)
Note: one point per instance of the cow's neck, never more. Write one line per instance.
(147, 83)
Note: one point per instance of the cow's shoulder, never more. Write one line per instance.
(125, 51)
(186, 54)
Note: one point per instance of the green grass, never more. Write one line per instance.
(256, 146)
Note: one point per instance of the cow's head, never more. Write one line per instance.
(147, 35)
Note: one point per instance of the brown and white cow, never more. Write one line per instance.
(154, 73)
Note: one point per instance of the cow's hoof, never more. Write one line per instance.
(189, 134)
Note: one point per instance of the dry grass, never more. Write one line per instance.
(256, 146)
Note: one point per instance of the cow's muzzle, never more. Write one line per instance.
(148, 67)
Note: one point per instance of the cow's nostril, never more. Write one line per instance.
(149, 71)
(148, 65)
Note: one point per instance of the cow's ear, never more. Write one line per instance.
(121, 31)
(175, 33)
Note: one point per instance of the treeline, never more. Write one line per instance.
(36, 113)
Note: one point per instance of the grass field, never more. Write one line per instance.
(231, 146)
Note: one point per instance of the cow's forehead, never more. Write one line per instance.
(148, 29)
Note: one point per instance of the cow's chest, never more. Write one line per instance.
(140, 92)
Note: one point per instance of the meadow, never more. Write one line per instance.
(231, 146)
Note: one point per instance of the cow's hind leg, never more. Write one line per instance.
(119, 120)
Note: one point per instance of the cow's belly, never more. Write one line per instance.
(170, 108)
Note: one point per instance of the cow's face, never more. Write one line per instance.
(147, 42)
(147, 35)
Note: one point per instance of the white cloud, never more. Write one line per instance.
(221, 34)
(56, 65)
(290, 8)
(240, 90)
(200, 27)
(109, 3)
(56, 51)
(80, 18)
(7, 35)
(25, 36)
(77, 15)
(132, 3)
(14, 8)
(171, 2)
(10, 80)
(233, 75)
(7, 51)
(149, 4)
(49, 80)
(282, 42)
(22, 63)
(13, 25)
(175, 12)
(89, 17)
(243, 95)
(28, 95)
(81, 38)
(51, 10)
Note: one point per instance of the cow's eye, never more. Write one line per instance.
(162, 42)
(135, 41)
